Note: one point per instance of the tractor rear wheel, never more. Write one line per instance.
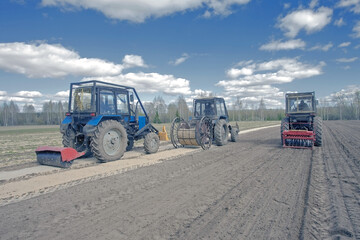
(234, 135)
(221, 132)
(151, 142)
(284, 127)
(318, 131)
(109, 141)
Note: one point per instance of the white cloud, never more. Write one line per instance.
(28, 94)
(252, 87)
(150, 82)
(287, 5)
(3, 93)
(344, 44)
(356, 30)
(131, 61)
(313, 3)
(180, 60)
(202, 93)
(324, 48)
(287, 45)
(63, 94)
(278, 71)
(234, 72)
(309, 20)
(354, 5)
(340, 22)
(16, 99)
(140, 10)
(346, 60)
(51, 61)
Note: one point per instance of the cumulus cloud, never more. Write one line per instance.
(17, 99)
(286, 45)
(356, 30)
(3, 93)
(131, 61)
(305, 19)
(180, 60)
(354, 5)
(258, 82)
(63, 94)
(202, 93)
(51, 61)
(324, 48)
(340, 22)
(140, 10)
(347, 60)
(150, 82)
(344, 44)
(28, 94)
(272, 72)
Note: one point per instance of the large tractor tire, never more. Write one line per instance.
(76, 142)
(221, 132)
(109, 141)
(234, 135)
(151, 143)
(318, 131)
(284, 127)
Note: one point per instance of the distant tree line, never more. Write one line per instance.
(341, 107)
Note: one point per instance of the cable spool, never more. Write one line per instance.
(193, 133)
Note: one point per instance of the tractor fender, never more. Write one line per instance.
(91, 125)
(65, 124)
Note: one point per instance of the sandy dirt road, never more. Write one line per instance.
(252, 189)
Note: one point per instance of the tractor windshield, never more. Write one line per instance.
(81, 99)
(298, 104)
(204, 108)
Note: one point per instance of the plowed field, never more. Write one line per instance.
(251, 189)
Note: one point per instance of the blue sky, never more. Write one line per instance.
(250, 49)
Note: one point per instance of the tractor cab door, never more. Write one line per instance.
(107, 102)
(221, 111)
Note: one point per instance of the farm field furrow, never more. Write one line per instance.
(251, 189)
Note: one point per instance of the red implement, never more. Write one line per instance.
(298, 139)
(57, 156)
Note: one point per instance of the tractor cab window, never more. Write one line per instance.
(81, 99)
(300, 104)
(107, 102)
(122, 103)
(220, 108)
(209, 109)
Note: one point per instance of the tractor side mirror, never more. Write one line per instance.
(131, 98)
(317, 102)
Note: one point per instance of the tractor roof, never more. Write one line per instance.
(208, 98)
(100, 83)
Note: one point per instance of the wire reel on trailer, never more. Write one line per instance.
(193, 133)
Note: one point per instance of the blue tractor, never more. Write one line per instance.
(104, 120)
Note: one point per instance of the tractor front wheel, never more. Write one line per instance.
(234, 135)
(221, 132)
(109, 141)
(151, 142)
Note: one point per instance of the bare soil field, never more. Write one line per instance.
(251, 189)
(18, 143)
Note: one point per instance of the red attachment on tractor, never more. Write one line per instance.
(298, 139)
(57, 156)
(67, 154)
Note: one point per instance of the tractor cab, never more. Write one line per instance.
(211, 107)
(300, 103)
